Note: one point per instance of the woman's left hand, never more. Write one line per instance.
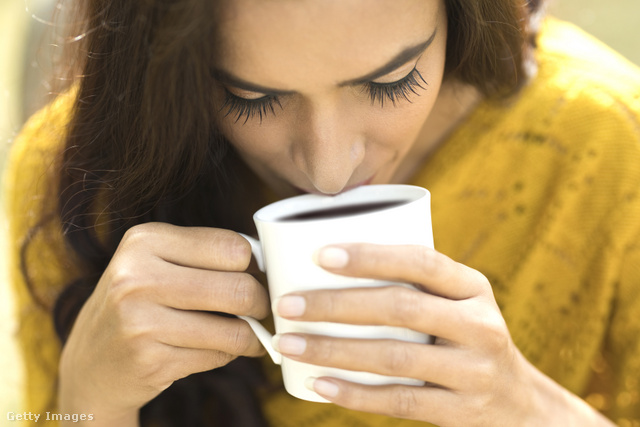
(474, 373)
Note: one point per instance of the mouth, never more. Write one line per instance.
(351, 187)
(301, 191)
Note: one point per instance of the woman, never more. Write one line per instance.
(189, 115)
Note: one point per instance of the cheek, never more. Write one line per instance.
(256, 141)
(252, 139)
(399, 126)
(404, 122)
(388, 129)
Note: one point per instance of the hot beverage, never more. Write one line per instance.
(340, 211)
(291, 231)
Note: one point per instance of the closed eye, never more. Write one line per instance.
(396, 91)
(238, 107)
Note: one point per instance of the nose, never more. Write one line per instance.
(327, 146)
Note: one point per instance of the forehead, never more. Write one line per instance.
(278, 40)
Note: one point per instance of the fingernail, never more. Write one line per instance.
(290, 306)
(322, 387)
(308, 383)
(333, 257)
(289, 344)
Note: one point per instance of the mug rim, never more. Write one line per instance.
(274, 212)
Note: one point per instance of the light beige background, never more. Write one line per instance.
(616, 22)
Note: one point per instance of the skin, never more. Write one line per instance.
(326, 137)
(151, 333)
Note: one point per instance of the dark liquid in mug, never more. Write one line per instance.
(342, 211)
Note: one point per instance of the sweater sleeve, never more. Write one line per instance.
(32, 232)
(615, 388)
(625, 406)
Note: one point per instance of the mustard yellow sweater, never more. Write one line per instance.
(542, 195)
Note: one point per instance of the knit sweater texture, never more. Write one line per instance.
(541, 194)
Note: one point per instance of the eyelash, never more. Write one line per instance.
(378, 92)
(395, 91)
(249, 108)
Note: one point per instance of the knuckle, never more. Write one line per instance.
(404, 403)
(148, 362)
(124, 283)
(140, 233)
(479, 374)
(481, 278)
(406, 305)
(481, 281)
(128, 314)
(239, 339)
(493, 330)
(241, 246)
(136, 327)
(324, 350)
(160, 373)
(243, 293)
(432, 262)
(479, 407)
(237, 249)
(327, 303)
(397, 358)
(492, 335)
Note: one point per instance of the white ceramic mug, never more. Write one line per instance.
(397, 215)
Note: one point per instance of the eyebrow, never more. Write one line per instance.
(401, 58)
(231, 80)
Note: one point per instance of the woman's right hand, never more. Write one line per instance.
(147, 324)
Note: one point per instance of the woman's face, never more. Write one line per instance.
(322, 96)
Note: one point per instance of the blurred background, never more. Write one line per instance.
(24, 65)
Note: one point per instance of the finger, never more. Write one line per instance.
(195, 289)
(432, 404)
(208, 331)
(419, 265)
(389, 305)
(200, 247)
(187, 361)
(433, 364)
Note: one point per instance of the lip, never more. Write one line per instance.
(350, 187)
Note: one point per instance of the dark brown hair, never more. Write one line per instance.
(142, 145)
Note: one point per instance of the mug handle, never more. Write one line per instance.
(261, 332)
